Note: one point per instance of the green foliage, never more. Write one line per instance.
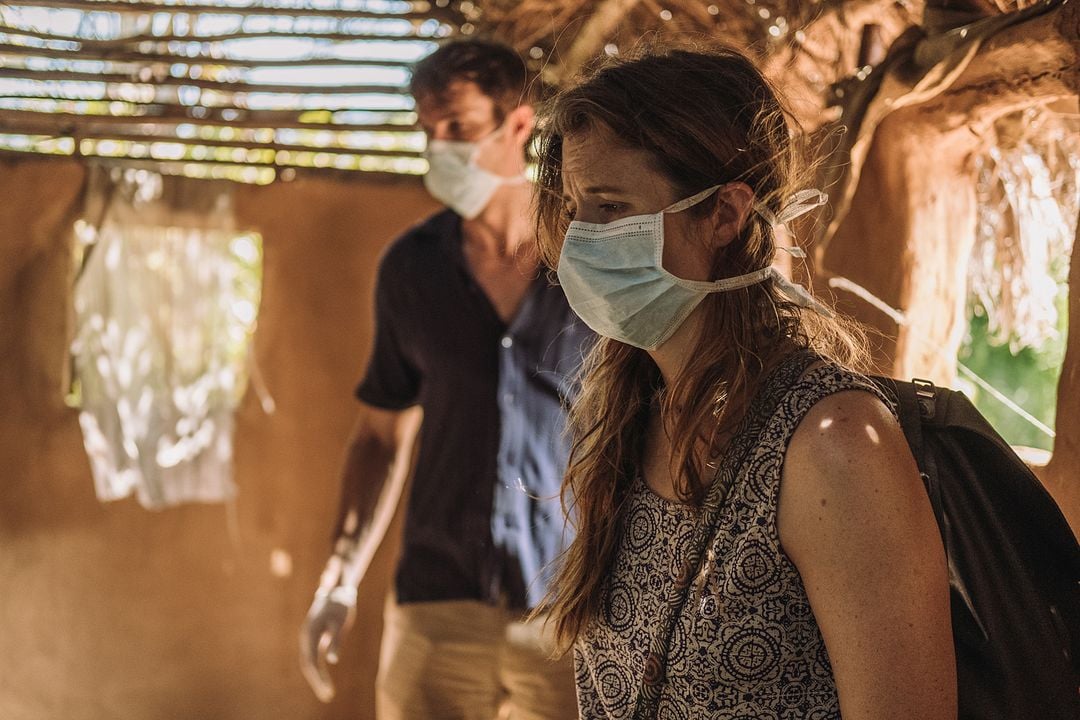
(1029, 377)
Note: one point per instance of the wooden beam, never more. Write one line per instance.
(127, 56)
(421, 10)
(129, 40)
(86, 134)
(915, 202)
(163, 165)
(914, 214)
(267, 119)
(167, 105)
(1060, 474)
(225, 87)
(1036, 61)
(158, 166)
(340, 173)
(330, 36)
(1031, 61)
(205, 161)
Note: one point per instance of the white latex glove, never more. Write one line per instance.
(329, 618)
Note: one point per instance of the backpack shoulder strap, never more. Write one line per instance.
(918, 402)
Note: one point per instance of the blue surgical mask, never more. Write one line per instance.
(614, 278)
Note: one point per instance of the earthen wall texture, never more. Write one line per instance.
(113, 612)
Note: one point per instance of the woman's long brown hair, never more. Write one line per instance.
(705, 118)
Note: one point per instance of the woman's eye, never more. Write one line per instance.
(609, 207)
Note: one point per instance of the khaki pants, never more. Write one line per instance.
(463, 660)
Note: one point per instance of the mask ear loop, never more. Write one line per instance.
(798, 204)
(503, 180)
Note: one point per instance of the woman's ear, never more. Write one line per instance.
(732, 205)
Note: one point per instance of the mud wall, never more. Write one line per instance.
(112, 612)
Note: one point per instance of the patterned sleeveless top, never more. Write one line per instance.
(743, 644)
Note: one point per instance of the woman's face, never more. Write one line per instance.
(604, 181)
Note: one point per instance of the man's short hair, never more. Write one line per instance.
(497, 70)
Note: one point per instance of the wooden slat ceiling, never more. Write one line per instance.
(238, 89)
(256, 89)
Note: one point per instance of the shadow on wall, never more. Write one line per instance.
(113, 612)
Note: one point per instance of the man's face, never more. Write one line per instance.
(462, 112)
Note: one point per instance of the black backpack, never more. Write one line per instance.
(1014, 563)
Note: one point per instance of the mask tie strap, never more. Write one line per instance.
(725, 284)
(798, 294)
(690, 201)
(797, 205)
(503, 180)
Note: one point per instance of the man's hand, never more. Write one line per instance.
(329, 618)
(374, 478)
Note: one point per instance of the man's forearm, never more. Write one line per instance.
(373, 481)
(364, 476)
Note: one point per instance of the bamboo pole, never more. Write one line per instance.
(221, 37)
(226, 87)
(164, 165)
(80, 134)
(421, 10)
(260, 120)
(121, 56)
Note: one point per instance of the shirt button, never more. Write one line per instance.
(507, 341)
(508, 398)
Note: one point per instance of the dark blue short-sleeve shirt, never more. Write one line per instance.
(483, 520)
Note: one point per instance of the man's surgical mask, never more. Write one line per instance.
(455, 179)
(614, 278)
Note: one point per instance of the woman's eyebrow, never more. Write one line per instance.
(601, 189)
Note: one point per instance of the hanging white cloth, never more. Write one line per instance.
(165, 305)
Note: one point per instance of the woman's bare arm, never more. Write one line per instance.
(855, 519)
